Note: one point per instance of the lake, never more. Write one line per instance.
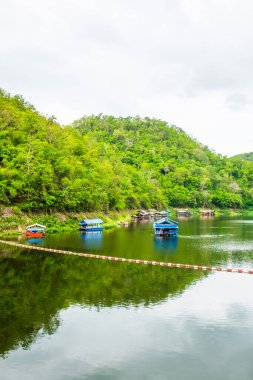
(74, 318)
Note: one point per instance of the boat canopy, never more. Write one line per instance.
(165, 221)
(36, 227)
(88, 222)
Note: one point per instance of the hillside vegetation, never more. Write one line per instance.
(105, 163)
(245, 156)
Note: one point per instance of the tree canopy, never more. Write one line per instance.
(245, 156)
(102, 163)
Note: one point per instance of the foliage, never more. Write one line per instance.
(103, 163)
(14, 223)
(245, 156)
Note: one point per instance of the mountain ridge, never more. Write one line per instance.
(104, 163)
(245, 156)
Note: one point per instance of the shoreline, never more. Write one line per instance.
(13, 221)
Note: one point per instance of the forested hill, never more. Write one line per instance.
(245, 156)
(103, 162)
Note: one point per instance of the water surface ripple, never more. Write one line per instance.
(72, 318)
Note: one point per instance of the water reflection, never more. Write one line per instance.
(35, 241)
(242, 221)
(92, 239)
(35, 287)
(129, 321)
(206, 236)
(166, 245)
(190, 336)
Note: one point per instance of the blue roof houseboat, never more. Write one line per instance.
(91, 225)
(166, 227)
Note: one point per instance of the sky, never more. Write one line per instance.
(189, 62)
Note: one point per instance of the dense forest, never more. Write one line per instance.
(105, 163)
(245, 156)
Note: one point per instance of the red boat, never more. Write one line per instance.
(35, 230)
(34, 234)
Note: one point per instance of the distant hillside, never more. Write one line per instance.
(103, 162)
(245, 156)
(183, 171)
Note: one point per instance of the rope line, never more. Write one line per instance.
(134, 261)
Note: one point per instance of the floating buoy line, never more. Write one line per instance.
(133, 261)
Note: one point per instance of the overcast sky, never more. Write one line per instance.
(189, 62)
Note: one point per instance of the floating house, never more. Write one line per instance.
(184, 213)
(35, 230)
(161, 214)
(166, 227)
(207, 212)
(141, 214)
(91, 225)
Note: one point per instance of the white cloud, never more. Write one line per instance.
(188, 62)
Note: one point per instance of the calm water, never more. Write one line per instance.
(74, 318)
